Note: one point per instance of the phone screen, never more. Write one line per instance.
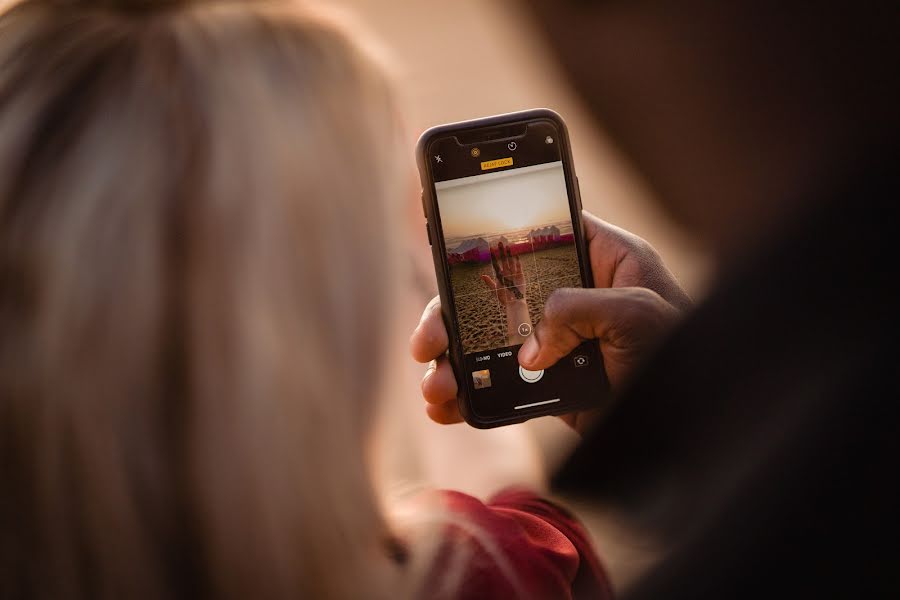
(507, 219)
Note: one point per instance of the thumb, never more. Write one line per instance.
(628, 317)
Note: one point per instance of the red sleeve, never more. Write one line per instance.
(517, 545)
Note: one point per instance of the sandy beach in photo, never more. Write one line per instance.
(482, 320)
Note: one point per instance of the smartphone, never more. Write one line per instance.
(503, 214)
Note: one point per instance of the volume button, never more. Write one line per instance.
(428, 232)
(422, 196)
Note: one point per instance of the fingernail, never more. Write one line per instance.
(528, 352)
(432, 367)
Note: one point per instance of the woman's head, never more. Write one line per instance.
(196, 261)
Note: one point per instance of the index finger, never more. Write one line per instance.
(612, 238)
(620, 258)
(429, 340)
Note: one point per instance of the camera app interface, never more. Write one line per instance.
(509, 239)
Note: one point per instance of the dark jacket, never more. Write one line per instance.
(761, 441)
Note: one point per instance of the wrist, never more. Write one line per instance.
(518, 322)
(516, 305)
(517, 310)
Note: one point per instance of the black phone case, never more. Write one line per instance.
(438, 250)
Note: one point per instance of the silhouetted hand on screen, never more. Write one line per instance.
(509, 280)
(509, 285)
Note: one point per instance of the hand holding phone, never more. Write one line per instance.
(503, 216)
(637, 300)
(518, 232)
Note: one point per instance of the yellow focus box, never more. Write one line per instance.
(495, 164)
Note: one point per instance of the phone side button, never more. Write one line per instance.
(428, 232)
(422, 197)
(578, 194)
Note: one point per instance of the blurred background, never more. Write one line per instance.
(460, 60)
(463, 59)
(472, 58)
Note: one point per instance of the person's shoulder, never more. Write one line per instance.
(515, 545)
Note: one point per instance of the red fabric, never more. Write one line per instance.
(517, 545)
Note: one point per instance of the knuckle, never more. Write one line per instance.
(639, 301)
(643, 248)
(647, 256)
(554, 306)
(646, 297)
(648, 309)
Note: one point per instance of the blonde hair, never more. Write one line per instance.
(196, 261)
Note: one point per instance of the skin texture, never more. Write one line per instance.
(636, 302)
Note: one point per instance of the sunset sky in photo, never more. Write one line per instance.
(507, 201)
